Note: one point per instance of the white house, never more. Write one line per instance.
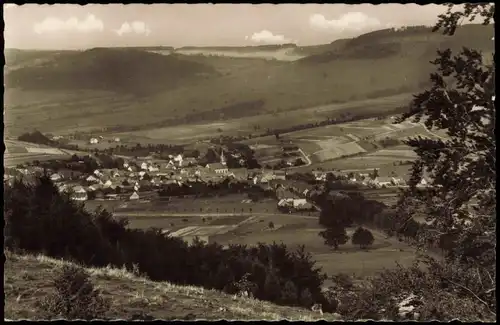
(56, 177)
(142, 173)
(125, 165)
(134, 196)
(144, 166)
(178, 159)
(94, 141)
(423, 182)
(153, 169)
(79, 194)
(108, 183)
(299, 202)
(117, 139)
(98, 173)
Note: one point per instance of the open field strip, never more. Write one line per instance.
(394, 153)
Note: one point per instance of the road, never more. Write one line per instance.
(202, 214)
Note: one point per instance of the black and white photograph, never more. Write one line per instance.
(255, 162)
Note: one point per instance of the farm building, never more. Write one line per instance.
(94, 141)
(134, 196)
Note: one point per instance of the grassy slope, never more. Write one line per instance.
(27, 279)
(373, 65)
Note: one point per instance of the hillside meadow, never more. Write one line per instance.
(165, 90)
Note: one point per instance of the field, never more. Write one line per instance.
(18, 152)
(292, 230)
(353, 145)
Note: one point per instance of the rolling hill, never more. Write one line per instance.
(123, 70)
(131, 88)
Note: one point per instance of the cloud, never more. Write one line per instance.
(137, 27)
(52, 25)
(267, 37)
(353, 21)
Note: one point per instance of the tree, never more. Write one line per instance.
(335, 236)
(362, 237)
(375, 173)
(462, 165)
(271, 225)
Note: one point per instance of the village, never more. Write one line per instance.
(144, 178)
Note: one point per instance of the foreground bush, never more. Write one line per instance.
(39, 219)
(74, 297)
(430, 291)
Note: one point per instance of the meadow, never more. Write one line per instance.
(292, 230)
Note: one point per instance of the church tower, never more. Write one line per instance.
(222, 158)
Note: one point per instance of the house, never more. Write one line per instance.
(153, 169)
(79, 194)
(398, 181)
(299, 202)
(282, 193)
(94, 141)
(56, 177)
(178, 159)
(302, 204)
(383, 181)
(115, 174)
(107, 183)
(144, 166)
(285, 203)
(134, 196)
(142, 173)
(117, 139)
(97, 173)
(94, 188)
(125, 165)
(423, 182)
(279, 174)
(190, 161)
(319, 175)
(61, 187)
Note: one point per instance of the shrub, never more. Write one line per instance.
(74, 297)
(271, 225)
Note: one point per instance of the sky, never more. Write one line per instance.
(69, 26)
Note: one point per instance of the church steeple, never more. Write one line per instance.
(222, 158)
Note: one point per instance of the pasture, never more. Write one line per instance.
(19, 152)
(292, 230)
